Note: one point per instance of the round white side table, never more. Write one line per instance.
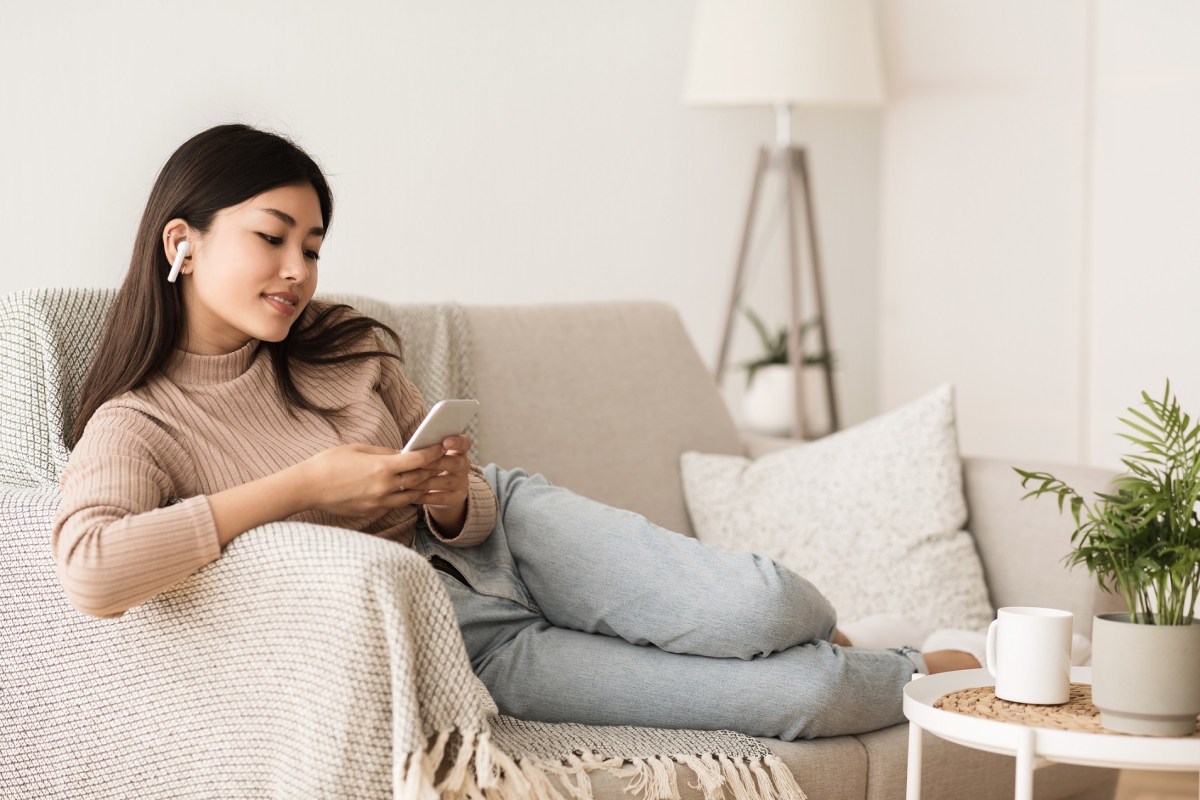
(1033, 746)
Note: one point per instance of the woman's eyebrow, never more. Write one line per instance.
(290, 221)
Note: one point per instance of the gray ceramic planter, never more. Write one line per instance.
(1146, 678)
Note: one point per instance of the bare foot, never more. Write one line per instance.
(949, 660)
(840, 638)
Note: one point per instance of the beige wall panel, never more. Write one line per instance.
(983, 169)
(1145, 233)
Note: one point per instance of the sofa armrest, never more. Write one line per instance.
(1023, 543)
(288, 667)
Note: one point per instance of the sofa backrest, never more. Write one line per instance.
(1023, 543)
(48, 338)
(599, 397)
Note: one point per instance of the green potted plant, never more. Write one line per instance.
(769, 402)
(1141, 539)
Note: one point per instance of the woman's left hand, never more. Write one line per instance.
(447, 486)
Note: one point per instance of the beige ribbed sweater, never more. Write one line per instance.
(134, 517)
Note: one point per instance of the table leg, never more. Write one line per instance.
(914, 762)
(1026, 752)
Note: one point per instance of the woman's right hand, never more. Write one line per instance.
(351, 480)
(365, 482)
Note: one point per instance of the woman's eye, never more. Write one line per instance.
(312, 255)
(269, 239)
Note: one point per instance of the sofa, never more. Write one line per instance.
(602, 398)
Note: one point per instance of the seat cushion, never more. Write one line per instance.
(830, 769)
(826, 769)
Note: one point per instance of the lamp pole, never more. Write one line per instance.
(793, 161)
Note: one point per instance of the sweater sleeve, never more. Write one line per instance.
(404, 401)
(119, 538)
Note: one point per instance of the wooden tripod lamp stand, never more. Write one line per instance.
(783, 53)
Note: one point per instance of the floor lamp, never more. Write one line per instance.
(785, 53)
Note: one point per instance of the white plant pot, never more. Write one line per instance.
(1144, 677)
(769, 405)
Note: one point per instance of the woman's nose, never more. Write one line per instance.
(295, 267)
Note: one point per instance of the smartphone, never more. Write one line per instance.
(446, 418)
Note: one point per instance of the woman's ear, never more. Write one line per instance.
(175, 233)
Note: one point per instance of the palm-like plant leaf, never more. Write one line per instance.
(1143, 539)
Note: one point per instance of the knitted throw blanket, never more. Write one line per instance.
(306, 662)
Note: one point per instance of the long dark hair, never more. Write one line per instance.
(221, 167)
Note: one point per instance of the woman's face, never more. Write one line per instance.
(254, 271)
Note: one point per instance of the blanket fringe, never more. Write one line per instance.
(574, 777)
(786, 787)
(734, 779)
(664, 773)
(482, 771)
(457, 778)
(486, 775)
(415, 781)
(707, 772)
(434, 756)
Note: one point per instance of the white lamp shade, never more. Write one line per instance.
(784, 52)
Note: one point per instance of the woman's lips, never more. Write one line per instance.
(283, 302)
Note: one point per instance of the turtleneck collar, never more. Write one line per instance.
(192, 368)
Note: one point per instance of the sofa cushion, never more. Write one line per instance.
(873, 515)
(829, 769)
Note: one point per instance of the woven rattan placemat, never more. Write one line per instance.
(1077, 714)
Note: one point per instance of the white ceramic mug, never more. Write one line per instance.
(1029, 654)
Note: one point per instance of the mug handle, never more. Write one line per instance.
(990, 654)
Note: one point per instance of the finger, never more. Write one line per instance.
(445, 483)
(416, 459)
(451, 463)
(401, 499)
(411, 485)
(459, 444)
(416, 478)
(413, 463)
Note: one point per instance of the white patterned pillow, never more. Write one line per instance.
(872, 515)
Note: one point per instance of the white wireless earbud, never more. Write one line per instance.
(180, 255)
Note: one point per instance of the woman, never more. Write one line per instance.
(221, 399)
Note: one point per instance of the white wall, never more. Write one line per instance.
(517, 151)
(1039, 206)
(1032, 186)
